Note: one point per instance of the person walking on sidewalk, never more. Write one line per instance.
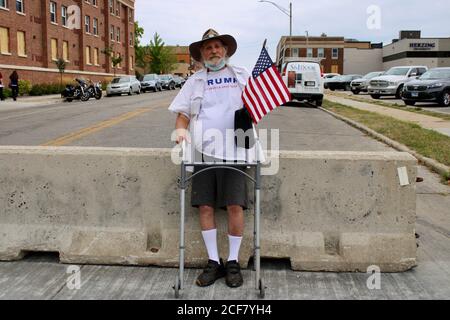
(1, 87)
(14, 84)
(210, 98)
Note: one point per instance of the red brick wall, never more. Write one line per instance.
(39, 31)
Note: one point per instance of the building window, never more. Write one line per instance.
(118, 34)
(112, 33)
(295, 52)
(119, 65)
(64, 16)
(131, 62)
(118, 8)
(4, 4)
(21, 49)
(111, 6)
(309, 53)
(4, 40)
(54, 43)
(19, 6)
(321, 53)
(88, 55)
(94, 2)
(335, 53)
(95, 26)
(66, 50)
(87, 24)
(130, 16)
(96, 56)
(131, 39)
(53, 11)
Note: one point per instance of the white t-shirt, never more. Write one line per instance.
(222, 97)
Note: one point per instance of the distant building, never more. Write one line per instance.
(35, 33)
(185, 63)
(362, 57)
(329, 51)
(335, 54)
(411, 49)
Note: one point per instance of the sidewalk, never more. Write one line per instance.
(424, 121)
(29, 101)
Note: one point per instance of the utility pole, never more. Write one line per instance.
(288, 13)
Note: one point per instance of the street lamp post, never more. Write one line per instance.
(286, 12)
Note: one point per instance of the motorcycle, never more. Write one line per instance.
(95, 90)
(77, 92)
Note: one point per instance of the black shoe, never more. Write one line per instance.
(211, 273)
(233, 277)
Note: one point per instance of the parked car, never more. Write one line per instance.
(151, 82)
(330, 75)
(432, 86)
(361, 85)
(392, 82)
(168, 82)
(304, 81)
(342, 82)
(179, 81)
(124, 84)
(327, 77)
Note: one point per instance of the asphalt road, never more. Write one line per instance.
(143, 121)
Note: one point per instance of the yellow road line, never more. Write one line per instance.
(95, 128)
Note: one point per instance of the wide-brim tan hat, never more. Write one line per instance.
(211, 34)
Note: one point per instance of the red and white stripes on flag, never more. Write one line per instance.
(265, 90)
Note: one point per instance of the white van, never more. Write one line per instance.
(304, 81)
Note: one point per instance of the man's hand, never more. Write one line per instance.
(181, 126)
(182, 134)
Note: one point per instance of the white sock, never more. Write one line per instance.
(235, 245)
(210, 238)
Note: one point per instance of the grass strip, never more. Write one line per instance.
(428, 143)
(418, 110)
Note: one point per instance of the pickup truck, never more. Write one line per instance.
(392, 82)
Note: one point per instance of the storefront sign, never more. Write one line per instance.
(422, 46)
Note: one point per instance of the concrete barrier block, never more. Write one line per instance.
(325, 211)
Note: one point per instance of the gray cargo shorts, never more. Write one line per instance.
(219, 188)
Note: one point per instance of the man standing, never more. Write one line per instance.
(14, 84)
(1, 87)
(207, 103)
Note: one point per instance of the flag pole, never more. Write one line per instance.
(265, 42)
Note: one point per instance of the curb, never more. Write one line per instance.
(431, 163)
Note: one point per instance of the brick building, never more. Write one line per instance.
(35, 33)
(329, 51)
(184, 66)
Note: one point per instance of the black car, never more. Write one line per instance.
(168, 82)
(342, 82)
(432, 86)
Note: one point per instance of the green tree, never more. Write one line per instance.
(162, 59)
(115, 60)
(138, 34)
(138, 48)
(61, 65)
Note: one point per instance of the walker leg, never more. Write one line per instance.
(180, 278)
(257, 227)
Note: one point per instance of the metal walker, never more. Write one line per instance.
(184, 180)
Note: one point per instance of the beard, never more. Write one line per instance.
(214, 64)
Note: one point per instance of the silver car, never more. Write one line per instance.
(151, 82)
(123, 84)
(361, 85)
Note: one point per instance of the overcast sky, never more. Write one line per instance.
(250, 22)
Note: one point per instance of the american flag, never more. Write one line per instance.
(265, 90)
